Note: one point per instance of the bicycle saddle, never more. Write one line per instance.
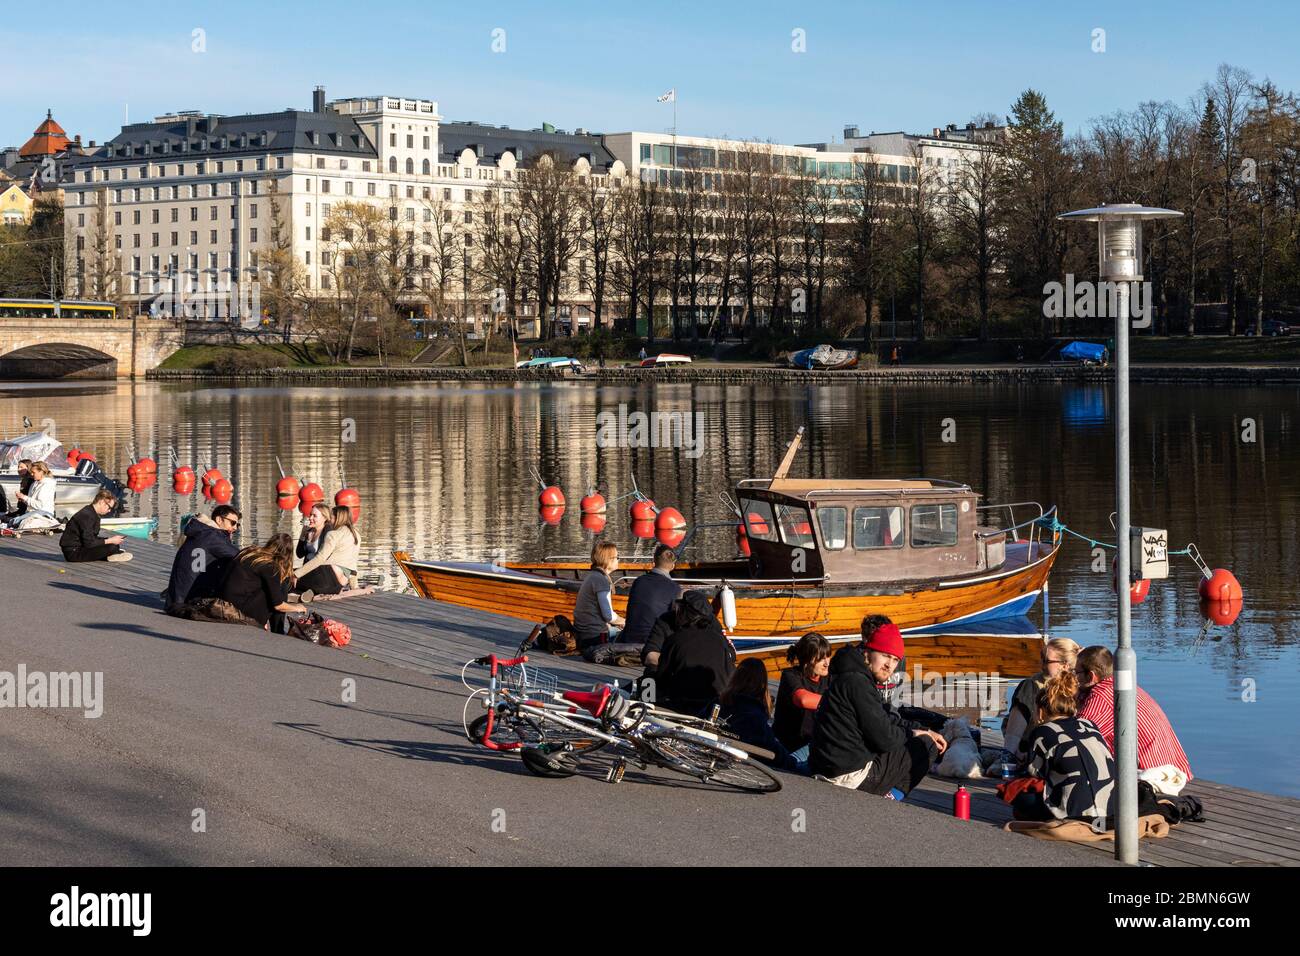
(591, 701)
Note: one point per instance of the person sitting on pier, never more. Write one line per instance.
(37, 503)
(336, 558)
(652, 595)
(315, 527)
(202, 559)
(1058, 656)
(594, 620)
(81, 541)
(25, 481)
(255, 589)
(857, 743)
(697, 660)
(1068, 754)
(1157, 744)
(908, 717)
(746, 708)
(800, 691)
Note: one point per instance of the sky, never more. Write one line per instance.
(785, 72)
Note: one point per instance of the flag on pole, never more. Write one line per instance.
(669, 97)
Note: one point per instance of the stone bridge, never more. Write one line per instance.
(86, 348)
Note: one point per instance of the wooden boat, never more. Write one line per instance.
(825, 553)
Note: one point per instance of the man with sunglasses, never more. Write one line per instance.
(203, 557)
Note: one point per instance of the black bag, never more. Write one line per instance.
(556, 636)
(309, 627)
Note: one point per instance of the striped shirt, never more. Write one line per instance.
(1157, 745)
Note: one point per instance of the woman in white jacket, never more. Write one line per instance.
(40, 500)
(336, 560)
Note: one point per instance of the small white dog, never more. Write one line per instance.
(962, 758)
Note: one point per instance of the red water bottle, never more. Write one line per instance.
(961, 803)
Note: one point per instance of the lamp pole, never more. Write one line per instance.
(1119, 253)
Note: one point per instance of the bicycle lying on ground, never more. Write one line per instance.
(555, 730)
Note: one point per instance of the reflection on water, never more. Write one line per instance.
(444, 473)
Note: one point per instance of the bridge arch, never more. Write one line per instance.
(57, 360)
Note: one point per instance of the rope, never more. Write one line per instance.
(1054, 524)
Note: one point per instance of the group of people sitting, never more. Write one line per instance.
(213, 580)
(833, 716)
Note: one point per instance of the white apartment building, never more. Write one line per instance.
(188, 196)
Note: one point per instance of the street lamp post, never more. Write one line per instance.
(1119, 251)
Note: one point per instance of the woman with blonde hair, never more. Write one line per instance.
(1058, 656)
(336, 560)
(39, 499)
(594, 620)
(1070, 756)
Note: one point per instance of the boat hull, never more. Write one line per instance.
(769, 617)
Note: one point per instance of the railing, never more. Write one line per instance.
(1035, 522)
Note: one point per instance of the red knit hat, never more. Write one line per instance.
(887, 639)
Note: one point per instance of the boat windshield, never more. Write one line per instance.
(796, 529)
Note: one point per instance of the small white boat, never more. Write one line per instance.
(72, 492)
(665, 358)
(131, 527)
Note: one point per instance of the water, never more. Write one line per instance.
(444, 473)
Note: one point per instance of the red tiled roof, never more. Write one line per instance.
(48, 140)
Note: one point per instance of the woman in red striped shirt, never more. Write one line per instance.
(1157, 744)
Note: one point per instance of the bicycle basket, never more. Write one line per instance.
(524, 678)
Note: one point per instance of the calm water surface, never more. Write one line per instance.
(444, 472)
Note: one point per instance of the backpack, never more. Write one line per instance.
(321, 630)
(556, 636)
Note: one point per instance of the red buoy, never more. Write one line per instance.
(1137, 591)
(210, 478)
(595, 523)
(551, 514)
(287, 487)
(183, 473)
(757, 523)
(593, 504)
(148, 465)
(304, 505)
(670, 519)
(643, 529)
(551, 497)
(1221, 585)
(349, 498)
(643, 509)
(222, 491)
(74, 456)
(310, 494)
(85, 456)
(1220, 612)
(287, 504)
(183, 486)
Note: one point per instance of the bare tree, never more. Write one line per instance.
(972, 217)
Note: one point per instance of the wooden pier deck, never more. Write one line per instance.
(1242, 828)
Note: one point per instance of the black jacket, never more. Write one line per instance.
(746, 719)
(81, 531)
(652, 594)
(205, 546)
(853, 725)
(694, 667)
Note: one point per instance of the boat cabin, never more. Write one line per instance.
(864, 531)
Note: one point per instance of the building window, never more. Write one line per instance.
(392, 191)
(392, 139)
(135, 217)
(212, 213)
(307, 257)
(194, 214)
(194, 237)
(175, 238)
(428, 214)
(154, 238)
(309, 209)
(308, 235)
(392, 213)
(252, 187)
(252, 210)
(324, 210)
(320, 162)
(81, 221)
(252, 234)
(392, 164)
(426, 146)
(446, 195)
(154, 215)
(410, 166)
(347, 189)
(446, 215)
(324, 185)
(365, 165)
(410, 141)
(325, 234)
(117, 219)
(469, 216)
(221, 167)
(176, 215)
(410, 215)
(343, 164)
(279, 162)
(370, 189)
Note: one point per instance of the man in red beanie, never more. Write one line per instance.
(857, 743)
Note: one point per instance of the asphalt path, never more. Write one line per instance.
(224, 745)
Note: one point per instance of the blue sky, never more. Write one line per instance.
(880, 65)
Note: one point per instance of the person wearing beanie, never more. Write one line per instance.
(857, 743)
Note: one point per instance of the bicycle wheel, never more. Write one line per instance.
(527, 730)
(698, 757)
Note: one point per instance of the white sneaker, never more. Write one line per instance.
(120, 556)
